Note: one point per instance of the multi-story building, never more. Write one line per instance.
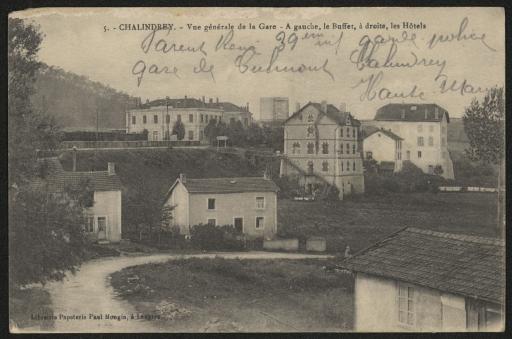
(423, 128)
(159, 116)
(274, 109)
(322, 146)
(383, 146)
(247, 203)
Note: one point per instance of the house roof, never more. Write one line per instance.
(332, 112)
(369, 130)
(194, 103)
(412, 112)
(471, 266)
(55, 179)
(228, 185)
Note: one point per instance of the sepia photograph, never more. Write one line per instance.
(256, 169)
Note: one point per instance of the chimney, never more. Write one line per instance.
(297, 106)
(217, 99)
(343, 107)
(247, 107)
(74, 158)
(111, 168)
(324, 106)
(183, 178)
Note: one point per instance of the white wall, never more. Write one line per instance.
(108, 203)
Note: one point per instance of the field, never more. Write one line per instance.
(366, 220)
(239, 295)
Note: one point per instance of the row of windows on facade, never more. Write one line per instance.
(101, 223)
(369, 155)
(167, 134)
(238, 223)
(431, 129)
(203, 118)
(421, 141)
(311, 132)
(344, 167)
(325, 148)
(260, 203)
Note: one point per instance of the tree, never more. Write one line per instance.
(179, 129)
(210, 131)
(484, 124)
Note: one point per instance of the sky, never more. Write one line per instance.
(90, 42)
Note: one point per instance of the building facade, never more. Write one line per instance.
(423, 128)
(322, 145)
(159, 116)
(103, 216)
(431, 287)
(274, 109)
(247, 203)
(382, 146)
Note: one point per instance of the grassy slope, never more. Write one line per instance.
(258, 295)
(359, 223)
(23, 304)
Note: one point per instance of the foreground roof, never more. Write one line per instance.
(369, 130)
(471, 266)
(411, 112)
(230, 185)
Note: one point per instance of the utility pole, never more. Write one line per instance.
(97, 132)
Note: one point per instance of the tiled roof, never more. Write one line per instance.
(471, 266)
(56, 179)
(412, 112)
(194, 103)
(230, 185)
(369, 130)
(332, 112)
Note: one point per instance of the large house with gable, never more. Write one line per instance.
(322, 146)
(423, 130)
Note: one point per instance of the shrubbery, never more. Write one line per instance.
(209, 237)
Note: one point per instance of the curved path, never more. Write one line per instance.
(89, 292)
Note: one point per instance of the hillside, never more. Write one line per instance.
(72, 99)
(151, 172)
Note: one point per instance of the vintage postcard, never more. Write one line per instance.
(256, 170)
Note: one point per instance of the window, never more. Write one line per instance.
(144, 119)
(211, 203)
(260, 203)
(325, 166)
(369, 155)
(102, 224)
(341, 132)
(399, 155)
(191, 118)
(206, 117)
(431, 141)
(296, 148)
(239, 224)
(325, 148)
(353, 148)
(155, 135)
(420, 141)
(167, 119)
(134, 120)
(348, 148)
(354, 166)
(311, 148)
(212, 222)
(405, 305)
(342, 166)
(202, 117)
(348, 132)
(155, 119)
(348, 166)
(310, 167)
(310, 131)
(260, 222)
(341, 148)
(310, 118)
(89, 224)
(355, 133)
(201, 135)
(190, 135)
(419, 154)
(420, 128)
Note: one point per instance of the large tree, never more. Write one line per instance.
(179, 129)
(484, 124)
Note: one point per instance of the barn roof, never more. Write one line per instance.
(411, 112)
(467, 265)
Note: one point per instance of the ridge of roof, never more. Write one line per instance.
(383, 131)
(332, 112)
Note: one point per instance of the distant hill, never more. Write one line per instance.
(72, 100)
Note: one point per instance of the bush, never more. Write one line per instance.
(209, 237)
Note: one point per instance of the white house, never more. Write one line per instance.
(382, 146)
(423, 128)
(247, 203)
(425, 281)
(104, 215)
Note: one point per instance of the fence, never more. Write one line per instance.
(281, 244)
(128, 144)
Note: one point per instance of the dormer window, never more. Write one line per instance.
(310, 118)
(347, 120)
